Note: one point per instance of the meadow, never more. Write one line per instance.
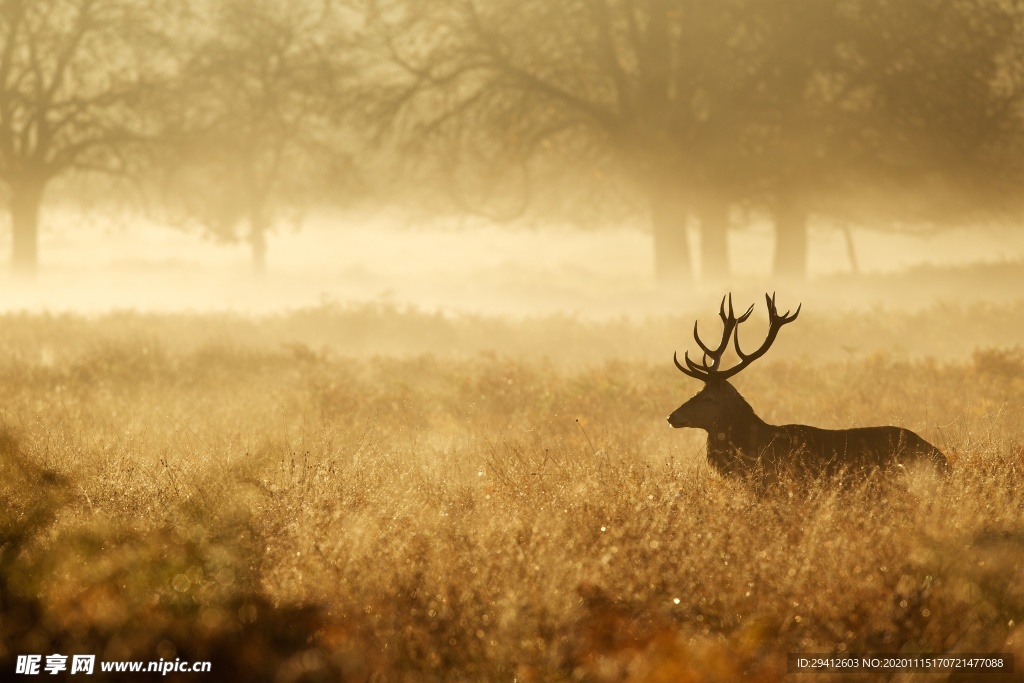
(378, 494)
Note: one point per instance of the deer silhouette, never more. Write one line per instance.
(742, 444)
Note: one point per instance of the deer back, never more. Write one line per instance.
(771, 452)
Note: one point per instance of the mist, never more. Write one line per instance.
(505, 166)
(102, 264)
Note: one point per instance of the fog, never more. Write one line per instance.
(97, 264)
(480, 158)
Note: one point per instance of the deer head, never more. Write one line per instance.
(718, 401)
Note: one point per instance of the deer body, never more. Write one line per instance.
(742, 444)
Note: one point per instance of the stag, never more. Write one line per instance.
(742, 444)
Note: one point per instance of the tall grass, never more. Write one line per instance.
(267, 498)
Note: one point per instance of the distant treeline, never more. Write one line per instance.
(238, 115)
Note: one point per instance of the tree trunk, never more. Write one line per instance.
(25, 203)
(258, 242)
(790, 239)
(671, 246)
(714, 232)
(851, 250)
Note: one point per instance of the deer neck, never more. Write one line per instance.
(736, 428)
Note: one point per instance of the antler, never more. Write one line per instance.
(729, 323)
(705, 372)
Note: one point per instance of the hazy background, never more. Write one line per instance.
(99, 266)
(596, 157)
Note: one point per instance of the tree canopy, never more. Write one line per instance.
(883, 111)
(891, 114)
(72, 73)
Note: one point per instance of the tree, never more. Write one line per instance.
(647, 92)
(250, 138)
(802, 141)
(886, 112)
(952, 111)
(71, 75)
(800, 107)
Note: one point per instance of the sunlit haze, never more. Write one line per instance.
(95, 264)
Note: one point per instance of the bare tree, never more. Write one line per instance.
(71, 75)
(799, 107)
(250, 139)
(636, 89)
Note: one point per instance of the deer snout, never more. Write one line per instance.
(677, 420)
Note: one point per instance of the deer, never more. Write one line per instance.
(740, 444)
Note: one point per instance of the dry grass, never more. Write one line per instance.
(296, 513)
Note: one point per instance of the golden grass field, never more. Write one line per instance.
(380, 495)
